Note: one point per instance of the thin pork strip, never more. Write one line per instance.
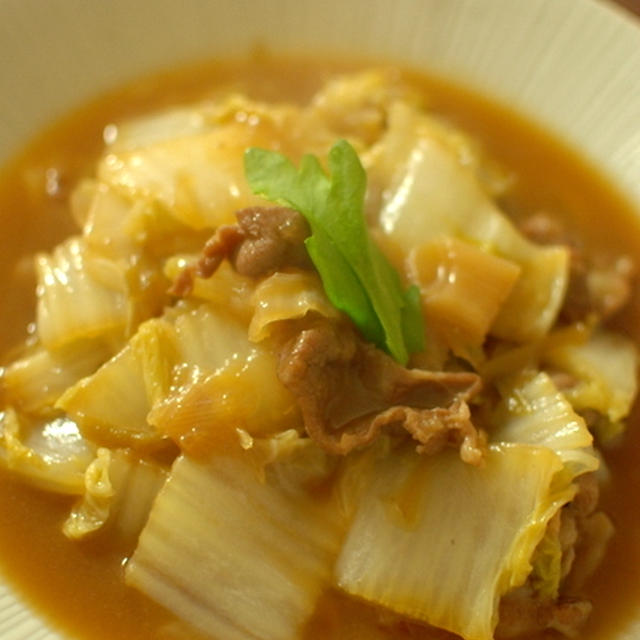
(595, 286)
(273, 239)
(219, 246)
(265, 240)
(522, 613)
(349, 391)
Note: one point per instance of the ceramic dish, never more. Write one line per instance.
(569, 65)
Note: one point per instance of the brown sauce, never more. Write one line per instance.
(79, 586)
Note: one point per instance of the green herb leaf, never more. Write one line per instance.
(357, 277)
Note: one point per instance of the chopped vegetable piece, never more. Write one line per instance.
(534, 412)
(430, 192)
(604, 368)
(252, 549)
(462, 289)
(34, 382)
(119, 491)
(284, 296)
(80, 295)
(50, 455)
(423, 540)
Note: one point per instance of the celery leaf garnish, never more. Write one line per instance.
(357, 277)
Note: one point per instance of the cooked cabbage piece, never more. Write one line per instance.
(286, 296)
(193, 376)
(604, 368)
(36, 380)
(106, 216)
(463, 289)
(195, 178)
(51, 455)
(119, 491)
(425, 541)
(195, 172)
(430, 193)
(80, 295)
(228, 290)
(534, 412)
(227, 384)
(252, 550)
(111, 406)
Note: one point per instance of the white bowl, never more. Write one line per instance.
(573, 66)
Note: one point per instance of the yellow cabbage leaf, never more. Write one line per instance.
(35, 381)
(430, 192)
(606, 371)
(239, 547)
(80, 295)
(533, 411)
(111, 405)
(441, 541)
(462, 290)
(194, 173)
(191, 375)
(226, 289)
(119, 491)
(50, 455)
(287, 296)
